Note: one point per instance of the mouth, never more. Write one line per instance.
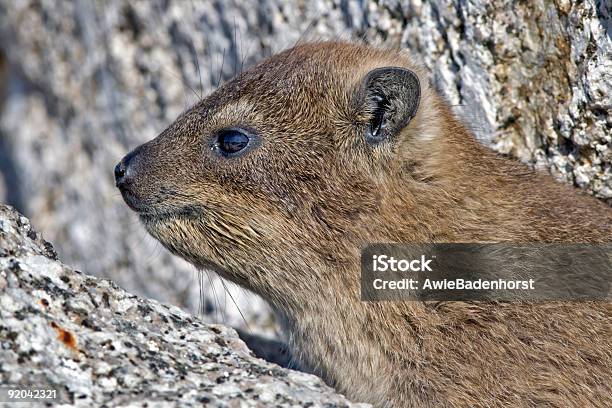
(134, 202)
(160, 207)
(164, 214)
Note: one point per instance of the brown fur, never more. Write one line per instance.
(288, 220)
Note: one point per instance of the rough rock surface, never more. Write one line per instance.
(99, 345)
(533, 79)
(87, 81)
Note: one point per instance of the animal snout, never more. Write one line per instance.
(137, 180)
(125, 170)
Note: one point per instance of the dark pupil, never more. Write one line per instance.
(232, 141)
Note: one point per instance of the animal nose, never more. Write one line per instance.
(124, 170)
(119, 173)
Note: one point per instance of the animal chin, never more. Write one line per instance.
(163, 229)
(155, 225)
(159, 226)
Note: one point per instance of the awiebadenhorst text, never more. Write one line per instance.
(385, 263)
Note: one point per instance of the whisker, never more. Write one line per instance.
(218, 303)
(176, 76)
(195, 54)
(237, 307)
(309, 27)
(235, 48)
(244, 56)
(197, 61)
(210, 62)
(201, 294)
(221, 70)
(167, 70)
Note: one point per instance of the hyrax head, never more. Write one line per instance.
(279, 165)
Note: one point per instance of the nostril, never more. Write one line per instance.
(126, 170)
(119, 173)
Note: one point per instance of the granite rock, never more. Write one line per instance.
(533, 79)
(99, 345)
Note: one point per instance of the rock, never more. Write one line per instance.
(87, 81)
(533, 79)
(100, 345)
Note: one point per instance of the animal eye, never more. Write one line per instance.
(231, 141)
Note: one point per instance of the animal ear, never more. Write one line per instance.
(390, 97)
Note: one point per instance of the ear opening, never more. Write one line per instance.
(391, 97)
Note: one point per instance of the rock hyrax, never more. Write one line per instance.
(280, 177)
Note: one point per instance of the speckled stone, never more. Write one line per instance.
(533, 79)
(102, 346)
